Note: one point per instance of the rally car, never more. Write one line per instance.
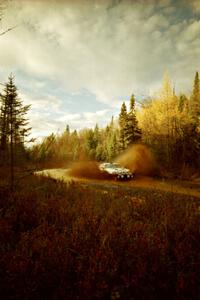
(116, 171)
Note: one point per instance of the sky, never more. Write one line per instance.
(76, 61)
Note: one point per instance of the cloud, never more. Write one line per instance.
(47, 103)
(89, 119)
(92, 47)
(109, 48)
(47, 115)
(42, 124)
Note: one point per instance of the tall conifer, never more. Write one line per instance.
(132, 131)
(195, 99)
(122, 127)
(13, 124)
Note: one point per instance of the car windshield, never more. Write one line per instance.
(111, 165)
(116, 165)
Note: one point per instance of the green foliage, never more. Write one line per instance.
(112, 146)
(67, 130)
(96, 144)
(13, 121)
(122, 125)
(195, 98)
(73, 242)
(132, 131)
(92, 142)
(129, 131)
(13, 128)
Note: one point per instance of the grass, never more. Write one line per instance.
(61, 241)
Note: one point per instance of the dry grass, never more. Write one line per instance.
(61, 241)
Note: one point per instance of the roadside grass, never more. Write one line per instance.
(67, 241)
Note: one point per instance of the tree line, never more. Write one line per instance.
(166, 122)
(101, 144)
(169, 124)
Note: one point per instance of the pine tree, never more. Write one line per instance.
(195, 99)
(96, 135)
(132, 131)
(183, 103)
(112, 124)
(13, 123)
(4, 124)
(91, 143)
(122, 127)
(67, 130)
(112, 147)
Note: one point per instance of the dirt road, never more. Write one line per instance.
(176, 186)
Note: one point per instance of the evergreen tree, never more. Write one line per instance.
(183, 103)
(91, 143)
(112, 147)
(4, 123)
(13, 124)
(67, 130)
(96, 135)
(112, 124)
(100, 153)
(132, 131)
(132, 103)
(195, 99)
(122, 127)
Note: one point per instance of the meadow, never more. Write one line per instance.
(68, 241)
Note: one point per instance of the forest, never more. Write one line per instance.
(167, 123)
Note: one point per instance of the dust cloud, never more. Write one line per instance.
(139, 159)
(87, 169)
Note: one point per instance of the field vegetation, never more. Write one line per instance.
(67, 241)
